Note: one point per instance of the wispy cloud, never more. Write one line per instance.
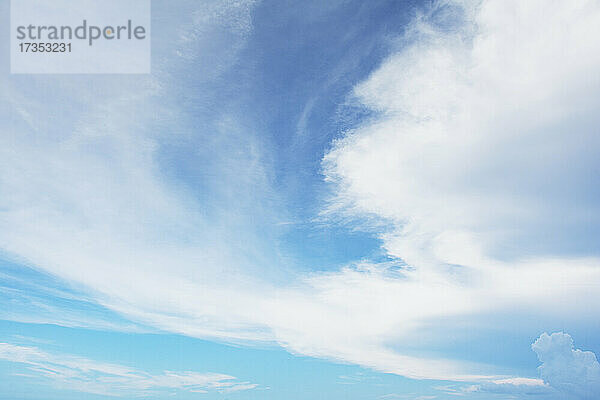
(84, 375)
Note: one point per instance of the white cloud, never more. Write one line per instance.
(566, 373)
(80, 374)
(471, 149)
(480, 154)
(481, 142)
(571, 371)
(84, 197)
(512, 386)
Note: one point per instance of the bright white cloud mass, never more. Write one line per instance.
(572, 371)
(566, 372)
(477, 162)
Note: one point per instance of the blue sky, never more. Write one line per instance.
(310, 200)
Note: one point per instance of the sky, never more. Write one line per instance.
(310, 199)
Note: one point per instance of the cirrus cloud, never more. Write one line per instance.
(70, 372)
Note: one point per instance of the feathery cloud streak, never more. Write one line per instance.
(84, 375)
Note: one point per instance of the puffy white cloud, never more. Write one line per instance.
(81, 374)
(571, 371)
(481, 155)
(482, 143)
(566, 373)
